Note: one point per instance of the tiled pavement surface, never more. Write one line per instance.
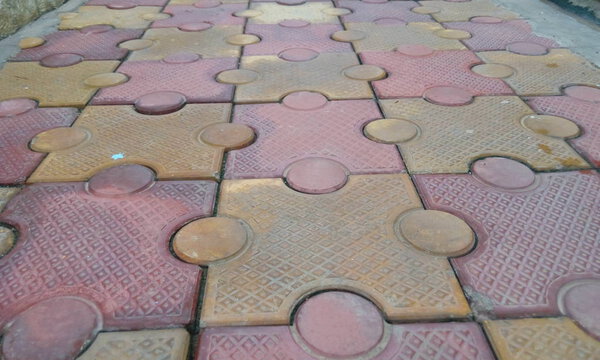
(355, 179)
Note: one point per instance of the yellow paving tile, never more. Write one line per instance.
(448, 138)
(61, 86)
(541, 339)
(209, 43)
(169, 144)
(348, 239)
(7, 236)
(544, 74)
(274, 13)
(138, 17)
(374, 37)
(447, 11)
(6, 193)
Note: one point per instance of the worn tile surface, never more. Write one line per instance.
(389, 11)
(446, 11)
(218, 15)
(274, 13)
(138, 17)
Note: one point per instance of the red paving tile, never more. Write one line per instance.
(381, 12)
(127, 3)
(410, 76)
(218, 15)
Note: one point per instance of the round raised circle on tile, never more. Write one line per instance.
(365, 72)
(14, 107)
(336, 11)
(527, 48)
(298, 54)
(202, 4)
(199, 26)
(227, 135)
(237, 76)
(415, 50)
(448, 95)
(504, 173)
(136, 44)
(61, 60)
(57, 328)
(389, 21)
(243, 39)
(121, 180)
(294, 23)
(95, 29)
(248, 13)
(437, 232)
(453, 34)
(181, 58)
(486, 20)
(160, 102)
(425, 10)
(120, 6)
(68, 15)
(206, 240)
(154, 17)
(549, 125)
(580, 303)
(291, 2)
(391, 131)
(106, 80)
(316, 175)
(58, 139)
(339, 324)
(304, 100)
(493, 70)
(7, 240)
(31, 42)
(348, 35)
(585, 93)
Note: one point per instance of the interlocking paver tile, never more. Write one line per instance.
(388, 37)
(446, 11)
(410, 76)
(381, 12)
(276, 38)
(206, 3)
(349, 238)
(115, 251)
(17, 160)
(53, 86)
(544, 74)
(181, 151)
(551, 338)
(93, 43)
(359, 330)
(138, 17)
(274, 13)
(212, 42)
(126, 4)
(184, 73)
(286, 133)
(490, 125)
(335, 75)
(170, 344)
(218, 15)
(496, 34)
(535, 233)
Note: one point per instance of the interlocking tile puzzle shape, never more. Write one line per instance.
(138, 17)
(496, 34)
(551, 338)
(212, 42)
(446, 11)
(93, 43)
(184, 73)
(307, 125)
(585, 112)
(276, 38)
(387, 37)
(274, 13)
(544, 74)
(183, 143)
(446, 139)
(380, 12)
(16, 129)
(217, 15)
(358, 330)
(536, 233)
(300, 243)
(71, 85)
(115, 253)
(411, 75)
(336, 75)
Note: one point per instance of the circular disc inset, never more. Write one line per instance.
(316, 176)
(453, 34)
(181, 58)
(585, 93)
(298, 54)
(7, 240)
(415, 50)
(31, 42)
(61, 60)
(365, 72)
(504, 173)
(160, 103)
(58, 139)
(493, 70)
(136, 44)
(200, 26)
(549, 125)
(121, 180)
(348, 35)
(106, 80)
(294, 23)
(228, 135)
(527, 48)
(237, 76)
(581, 304)
(14, 107)
(304, 100)
(448, 95)
(391, 131)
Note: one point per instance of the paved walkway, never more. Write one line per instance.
(204, 179)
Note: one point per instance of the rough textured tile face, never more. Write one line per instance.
(92, 44)
(545, 74)
(446, 11)
(274, 13)
(553, 338)
(218, 15)
(353, 247)
(496, 36)
(585, 113)
(17, 160)
(176, 152)
(138, 17)
(387, 37)
(115, 253)
(286, 135)
(209, 43)
(529, 240)
(410, 76)
(324, 74)
(490, 126)
(169, 344)
(276, 38)
(365, 12)
(195, 80)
